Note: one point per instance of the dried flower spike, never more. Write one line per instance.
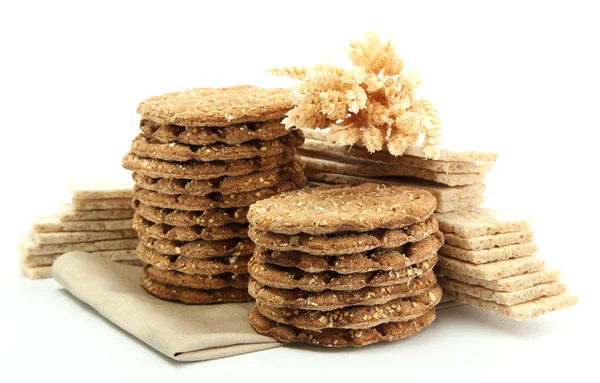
(372, 103)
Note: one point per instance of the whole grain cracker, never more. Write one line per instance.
(479, 221)
(332, 209)
(101, 204)
(378, 259)
(101, 190)
(344, 243)
(252, 181)
(332, 300)
(208, 266)
(493, 270)
(48, 259)
(29, 247)
(204, 170)
(522, 311)
(201, 248)
(81, 236)
(68, 213)
(190, 295)
(197, 281)
(387, 170)
(334, 337)
(178, 152)
(217, 106)
(190, 233)
(174, 217)
(489, 241)
(291, 278)
(53, 224)
(490, 255)
(35, 272)
(504, 298)
(346, 153)
(508, 284)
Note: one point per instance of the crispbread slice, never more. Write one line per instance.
(502, 297)
(345, 153)
(522, 311)
(447, 154)
(81, 236)
(68, 213)
(36, 272)
(478, 221)
(29, 247)
(48, 259)
(457, 204)
(508, 284)
(489, 255)
(493, 270)
(101, 204)
(102, 190)
(53, 224)
(390, 170)
(489, 241)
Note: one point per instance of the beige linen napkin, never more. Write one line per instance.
(182, 332)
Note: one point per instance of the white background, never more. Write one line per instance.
(520, 78)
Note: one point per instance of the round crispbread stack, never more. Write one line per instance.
(203, 157)
(341, 266)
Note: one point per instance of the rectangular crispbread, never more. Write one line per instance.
(345, 152)
(447, 154)
(113, 255)
(489, 255)
(504, 297)
(53, 224)
(388, 170)
(479, 221)
(35, 272)
(67, 213)
(442, 193)
(457, 204)
(522, 311)
(489, 241)
(102, 190)
(29, 247)
(508, 284)
(81, 236)
(101, 204)
(493, 270)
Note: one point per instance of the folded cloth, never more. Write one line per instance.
(182, 332)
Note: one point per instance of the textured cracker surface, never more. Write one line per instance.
(523, 311)
(81, 236)
(197, 281)
(53, 224)
(378, 259)
(490, 255)
(493, 270)
(204, 170)
(174, 217)
(479, 221)
(48, 259)
(29, 247)
(458, 204)
(101, 190)
(190, 233)
(443, 193)
(101, 204)
(291, 278)
(356, 317)
(332, 300)
(447, 154)
(508, 284)
(345, 153)
(504, 298)
(252, 181)
(217, 106)
(35, 272)
(178, 152)
(344, 243)
(340, 337)
(331, 209)
(68, 213)
(489, 241)
(215, 200)
(388, 170)
(193, 296)
(200, 248)
(208, 266)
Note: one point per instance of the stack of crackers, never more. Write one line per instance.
(455, 179)
(344, 266)
(489, 261)
(97, 220)
(202, 158)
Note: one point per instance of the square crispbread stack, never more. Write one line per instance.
(204, 156)
(455, 179)
(489, 261)
(98, 220)
(343, 265)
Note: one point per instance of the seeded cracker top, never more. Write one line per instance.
(332, 209)
(217, 106)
